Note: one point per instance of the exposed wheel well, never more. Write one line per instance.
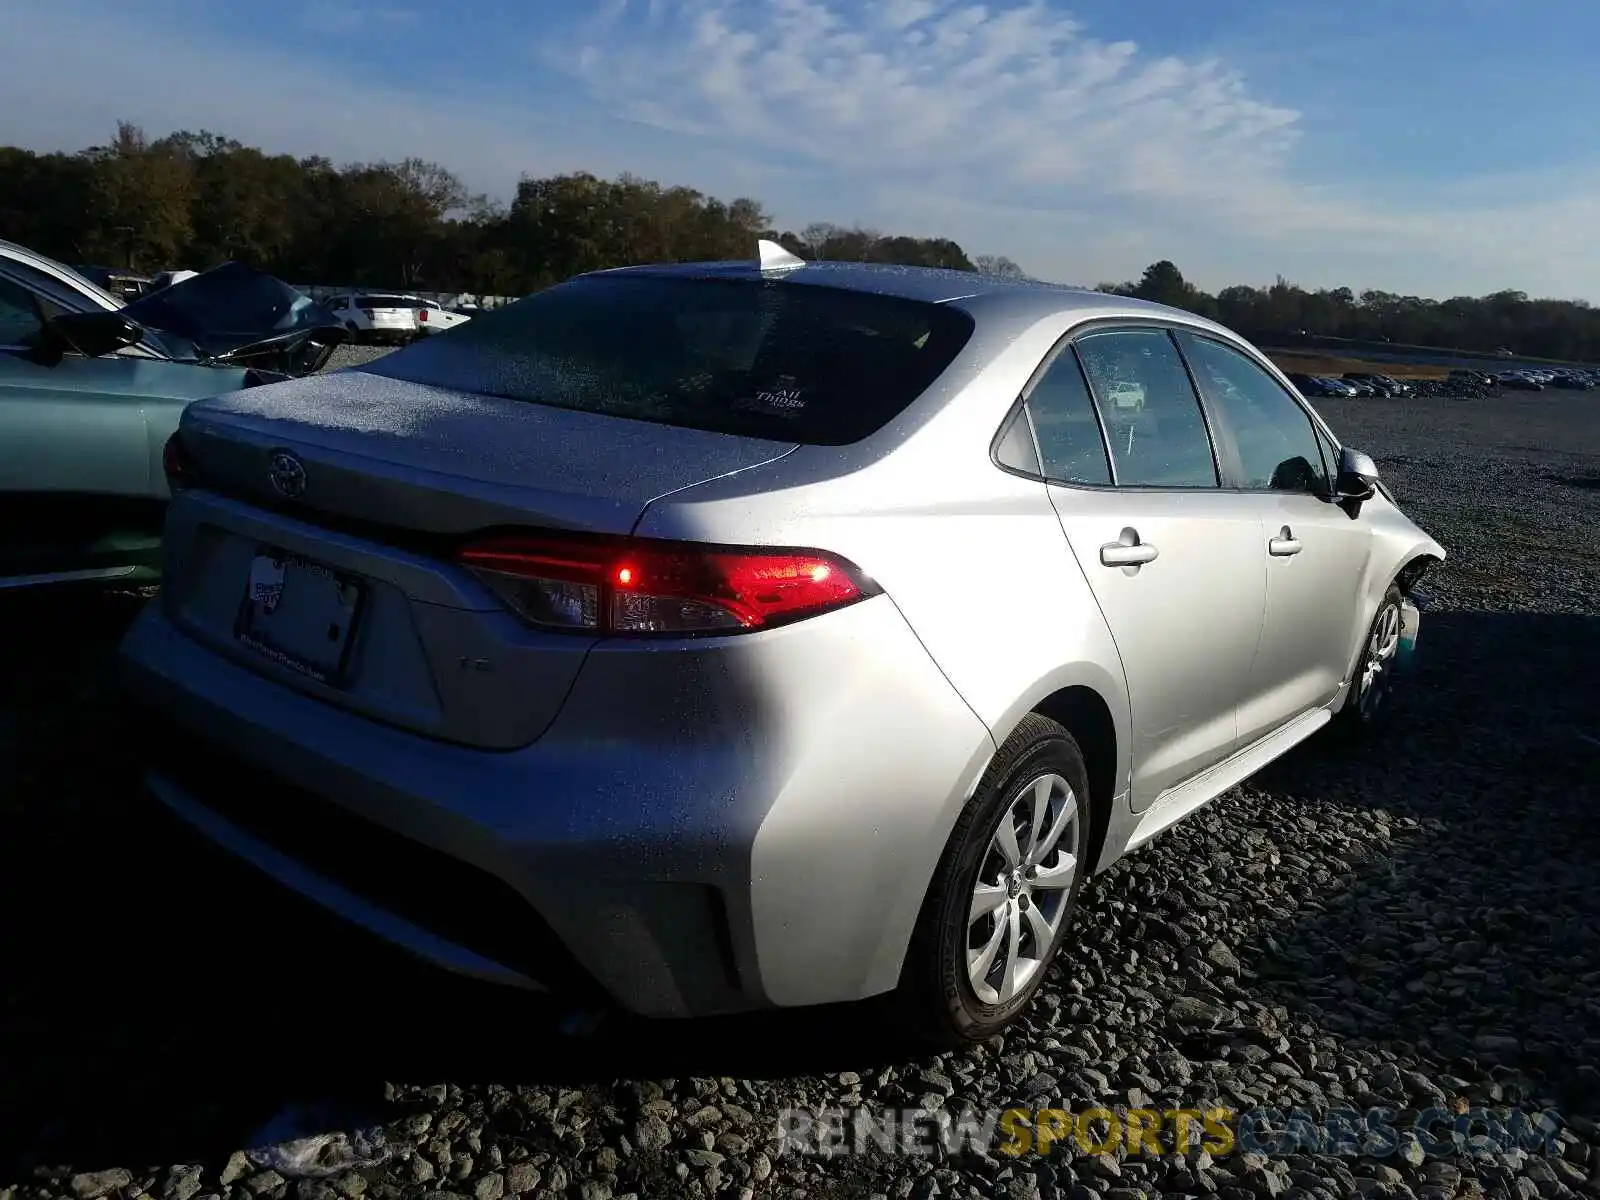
(1413, 572)
(1082, 712)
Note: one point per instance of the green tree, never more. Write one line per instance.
(140, 196)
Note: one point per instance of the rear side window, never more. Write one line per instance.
(1071, 448)
(1157, 434)
(758, 358)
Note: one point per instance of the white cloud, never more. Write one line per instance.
(1010, 95)
(992, 114)
(1010, 127)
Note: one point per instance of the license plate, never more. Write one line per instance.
(300, 614)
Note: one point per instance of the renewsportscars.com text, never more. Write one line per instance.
(1219, 1131)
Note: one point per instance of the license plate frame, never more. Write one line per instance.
(261, 603)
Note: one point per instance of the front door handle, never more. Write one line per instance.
(1129, 551)
(1284, 544)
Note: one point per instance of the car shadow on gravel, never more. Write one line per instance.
(1466, 928)
(161, 1004)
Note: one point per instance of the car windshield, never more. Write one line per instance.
(758, 358)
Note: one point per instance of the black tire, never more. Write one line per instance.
(1366, 711)
(936, 1002)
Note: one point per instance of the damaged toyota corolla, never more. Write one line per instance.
(714, 637)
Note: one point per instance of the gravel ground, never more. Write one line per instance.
(1414, 925)
(354, 356)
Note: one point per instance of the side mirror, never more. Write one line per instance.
(1357, 479)
(91, 334)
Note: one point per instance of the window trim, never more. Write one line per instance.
(1128, 325)
(1020, 410)
(1069, 339)
(1172, 328)
(1235, 460)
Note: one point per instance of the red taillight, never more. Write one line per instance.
(176, 463)
(422, 315)
(628, 587)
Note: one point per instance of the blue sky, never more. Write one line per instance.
(1428, 147)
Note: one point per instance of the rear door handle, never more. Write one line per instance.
(1284, 544)
(1127, 554)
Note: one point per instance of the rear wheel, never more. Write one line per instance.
(1003, 894)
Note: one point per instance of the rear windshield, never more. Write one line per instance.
(758, 358)
(388, 302)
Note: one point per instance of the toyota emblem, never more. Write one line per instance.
(287, 475)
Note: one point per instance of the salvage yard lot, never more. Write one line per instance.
(1417, 923)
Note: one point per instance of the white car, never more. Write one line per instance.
(379, 317)
(434, 319)
(1126, 396)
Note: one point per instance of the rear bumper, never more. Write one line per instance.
(758, 831)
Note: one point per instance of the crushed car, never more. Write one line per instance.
(92, 388)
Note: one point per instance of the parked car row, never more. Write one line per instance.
(1351, 383)
(1577, 379)
(370, 318)
(1462, 382)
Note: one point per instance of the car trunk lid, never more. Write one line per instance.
(431, 460)
(389, 476)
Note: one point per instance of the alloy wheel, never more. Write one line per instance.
(1020, 896)
(1378, 661)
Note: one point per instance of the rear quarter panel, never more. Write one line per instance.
(974, 557)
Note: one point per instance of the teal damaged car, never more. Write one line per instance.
(91, 389)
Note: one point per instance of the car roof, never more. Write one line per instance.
(60, 270)
(935, 285)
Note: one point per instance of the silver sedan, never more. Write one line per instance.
(711, 637)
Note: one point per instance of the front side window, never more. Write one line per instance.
(1071, 448)
(1274, 436)
(753, 357)
(1153, 421)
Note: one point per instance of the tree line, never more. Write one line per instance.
(198, 199)
(1285, 314)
